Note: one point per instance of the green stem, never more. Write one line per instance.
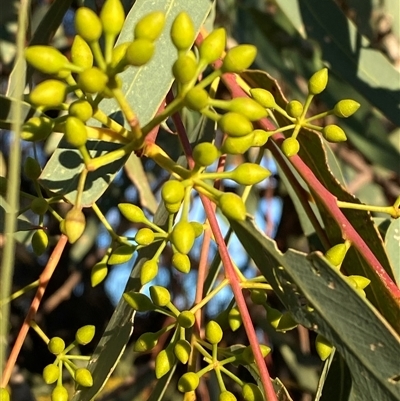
(318, 116)
(98, 55)
(80, 188)
(102, 117)
(371, 208)
(20, 292)
(105, 222)
(210, 295)
(39, 331)
(78, 357)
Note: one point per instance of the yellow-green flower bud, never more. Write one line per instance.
(237, 145)
(260, 137)
(118, 56)
(138, 301)
(46, 59)
(56, 345)
(213, 46)
(84, 335)
(214, 332)
(186, 319)
(150, 26)
(317, 83)
(87, 24)
(182, 350)
(149, 271)
(59, 393)
(74, 224)
(336, 254)
(32, 168)
(181, 262)
(232, 206)
(37, 129)
(249, 174)
(165, 360)
(183, 236)
(99, 273)
(112, 17)
(294, 108)
(121, 254)
(139, 52)
(40, 241)
(132, 212)
(248, 108)
(345, 108)
(205, 154)
(144, 236)
(92, 80)
(239, 58)
(182, 31)
(323, 346)
(273, 316)
(197, 99)
(146, 342)
(184, 68)
(227, 396)
(50, 374)
(290, 147)
(235, 124)
(4, 394)
(188, 382)
(333, 133)
(264, 97)
(75, 132)
(160, 295)
(172, 191)
(81, 54)
(251, 392)
(83, 377)
(234, 319)
(50, 93)
(39, 206)
(81, 109)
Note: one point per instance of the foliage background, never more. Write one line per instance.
(292, 43)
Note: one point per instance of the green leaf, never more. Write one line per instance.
(6, 115)
(349, 54)
(392, 242)
(361, 335)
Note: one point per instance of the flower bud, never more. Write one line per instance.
(138, 301)
(188, 382)
(205, 154)
(182, 31)
(56, 345)
(75, 132)
(146, 342)
(290, 147)
(37, 129)
(182, 350)
(149, 271)
(84, 335)
(92, 80)
(239, 58)
(333, 133)
(184, 68)
(336, 254)
(81, 54)
(139, 52)
(237, 145)
(248, 108)
(232, 206)
(165, 360)
(4, 394)
(150, 26)
(39, 206)
(121, 254)
(251, 392)
(87, 24)
(249, 174)
(323, 346)
(273, 316)
(50, 93)
(74, 224)
(345, 108)
(160, 295)
(264, 97)
(197, 99)
(294, 108)
(144, 236)
(46, 59)
(183, 236)
(227, 396)
(181, 262)
(172, 191)
(132, 212)
(81, 109)
(235, 124)
(234, 319)
(40, 241)
(317, 83)
(59, 393)
(213, 332)
(186, 319)
(99, 273)
(32, 168)
(50, 374)
(212, 47)
(83, 377)
(112, 17)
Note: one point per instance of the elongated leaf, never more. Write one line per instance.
(349, 54)
(6, 104)
(392, 242)
(144, 88)
(320, 299)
